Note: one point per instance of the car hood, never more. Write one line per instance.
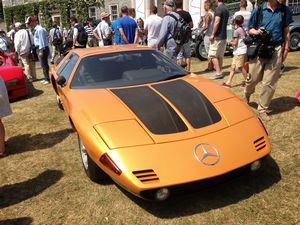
(158, 113)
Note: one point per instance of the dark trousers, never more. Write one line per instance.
(44, 62)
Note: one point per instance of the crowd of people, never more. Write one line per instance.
(157, 32)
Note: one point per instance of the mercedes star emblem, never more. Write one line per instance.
(206, 154)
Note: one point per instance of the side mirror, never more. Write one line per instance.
(61, 80)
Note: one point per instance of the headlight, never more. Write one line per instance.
(162, 194)
(255, 165)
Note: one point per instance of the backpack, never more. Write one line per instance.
(56, 38)
(82, 37)
(182, 32)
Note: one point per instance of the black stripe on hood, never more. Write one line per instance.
(157, 115)
(194, 106)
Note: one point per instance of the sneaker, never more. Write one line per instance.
(45, 82)
(264, 116)
(226, 85)
(216, 76)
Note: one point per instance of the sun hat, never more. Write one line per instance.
(104, 15)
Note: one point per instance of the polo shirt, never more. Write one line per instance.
(272, 21)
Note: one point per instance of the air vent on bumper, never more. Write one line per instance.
(260, 144)
(146, 176)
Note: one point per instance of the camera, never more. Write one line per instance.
(266, 36)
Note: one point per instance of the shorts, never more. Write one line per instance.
(239, 60)
(185, 51)
(206, 43)
(217, 48)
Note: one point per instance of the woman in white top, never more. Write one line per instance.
(244, 13)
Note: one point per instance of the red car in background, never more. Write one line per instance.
(13, 76)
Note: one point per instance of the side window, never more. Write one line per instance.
(67, 67)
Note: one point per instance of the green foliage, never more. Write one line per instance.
(45, 8)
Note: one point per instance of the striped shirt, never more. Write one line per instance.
(89, 30)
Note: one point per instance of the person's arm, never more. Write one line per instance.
(215, 27)
(286, 33)
(123, 36)
(234, 42)
(136, 36)
(252, 30)
(163, 33)
(207, 20)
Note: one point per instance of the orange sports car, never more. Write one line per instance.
(152, 127)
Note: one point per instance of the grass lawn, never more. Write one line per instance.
(42, 180)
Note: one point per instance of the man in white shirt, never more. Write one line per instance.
(152, 27)
(103, 31)
(22, 47)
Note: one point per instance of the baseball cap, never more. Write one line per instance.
(169, 3)
(30, 19)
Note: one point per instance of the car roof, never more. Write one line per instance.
(82, 52)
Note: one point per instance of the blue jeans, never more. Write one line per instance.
(44, 62)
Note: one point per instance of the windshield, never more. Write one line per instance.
(124, 69)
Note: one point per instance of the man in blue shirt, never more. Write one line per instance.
(127, 27)
(41, 43)
(262, 68)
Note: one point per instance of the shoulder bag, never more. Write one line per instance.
(32, 51)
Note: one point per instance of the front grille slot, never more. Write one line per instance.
(146, 176)
(260, 143)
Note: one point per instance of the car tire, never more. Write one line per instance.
(200, 51)
(59, 103)
(91, 169)
(295, 41)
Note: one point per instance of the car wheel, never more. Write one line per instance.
(90, 167)
(59, 103)
(200, 51)
(295, 41)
